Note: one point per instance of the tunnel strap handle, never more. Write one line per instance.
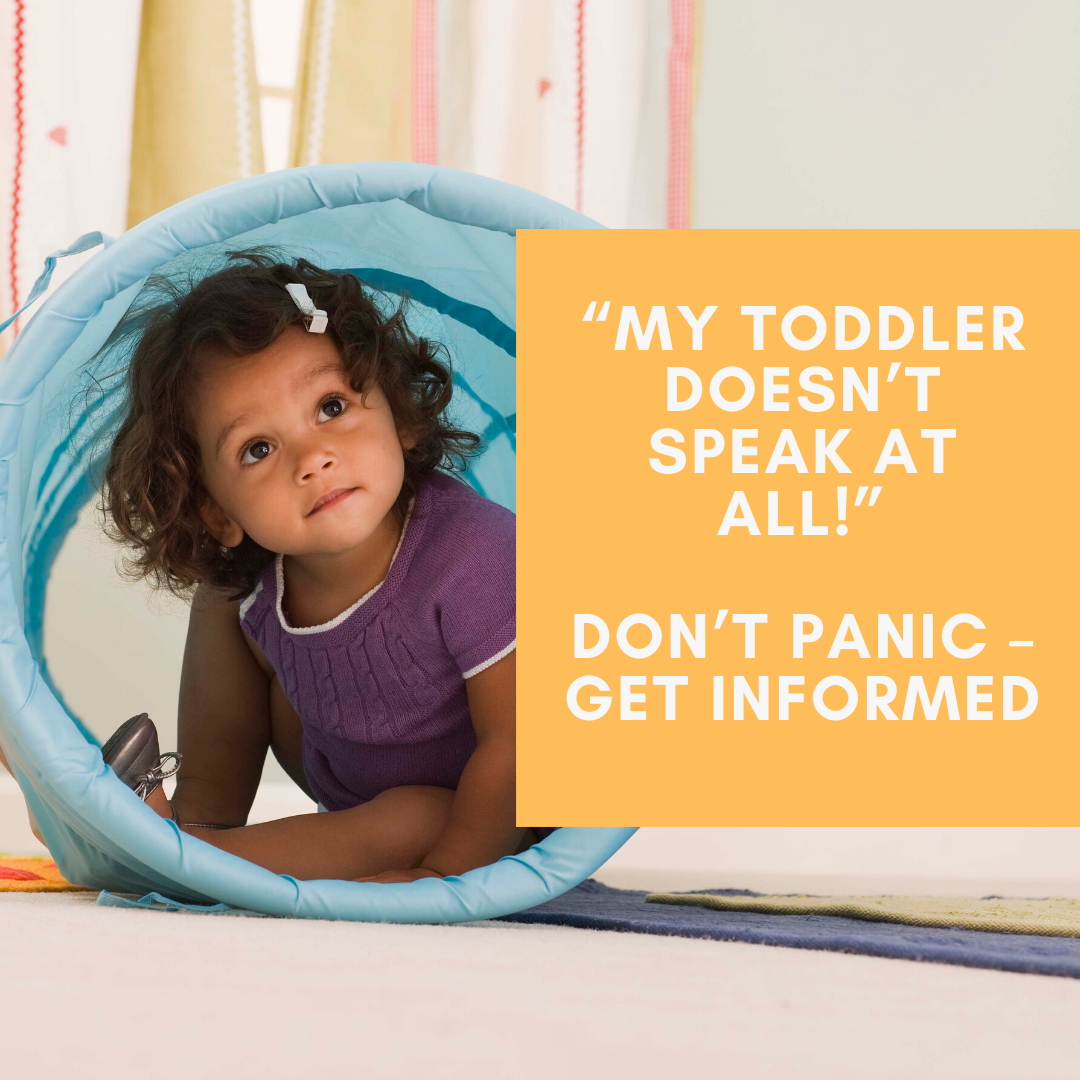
(84, 243)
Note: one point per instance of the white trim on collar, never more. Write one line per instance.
(250, 599)
(337, 620)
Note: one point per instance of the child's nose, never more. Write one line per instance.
(314, 460)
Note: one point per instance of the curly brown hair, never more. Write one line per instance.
(152, 490)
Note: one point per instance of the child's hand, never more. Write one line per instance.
(393, 877)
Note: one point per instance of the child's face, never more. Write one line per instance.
(290, 454)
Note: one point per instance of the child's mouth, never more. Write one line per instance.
(331, 499)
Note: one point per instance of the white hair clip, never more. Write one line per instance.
(316, 317)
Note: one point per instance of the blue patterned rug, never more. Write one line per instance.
(593, 906)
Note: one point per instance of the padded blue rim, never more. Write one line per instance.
(62, 774)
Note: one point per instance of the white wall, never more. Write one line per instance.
(922, 114)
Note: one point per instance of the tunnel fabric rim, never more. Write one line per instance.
(84, 810)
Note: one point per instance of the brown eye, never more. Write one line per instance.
(256, 452)
(331, 408)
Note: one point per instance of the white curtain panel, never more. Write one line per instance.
(566, 97)
(67, 80)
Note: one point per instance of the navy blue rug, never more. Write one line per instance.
(593, 906)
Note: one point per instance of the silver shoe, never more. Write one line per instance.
(134, 755)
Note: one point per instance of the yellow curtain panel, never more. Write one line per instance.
(354, 88)
(196, 102)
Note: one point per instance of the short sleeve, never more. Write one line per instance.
(478, 601)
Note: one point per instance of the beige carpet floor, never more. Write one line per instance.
(103, 993)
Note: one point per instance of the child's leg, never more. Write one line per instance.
(394, 831)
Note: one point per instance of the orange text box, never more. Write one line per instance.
(849, 536)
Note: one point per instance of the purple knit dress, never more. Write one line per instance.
(380, 689)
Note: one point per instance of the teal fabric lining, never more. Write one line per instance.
(479, 318)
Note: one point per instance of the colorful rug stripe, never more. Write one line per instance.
(37, 874)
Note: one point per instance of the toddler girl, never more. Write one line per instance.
(286, 459)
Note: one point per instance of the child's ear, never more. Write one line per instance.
(408, 439)
(220, 526)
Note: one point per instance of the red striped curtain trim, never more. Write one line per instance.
(16, 179)
(579, 160)
(680, 59)
(425, 149)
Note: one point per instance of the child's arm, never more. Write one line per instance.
(461, 830)
(224, 716)
(481, 826)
